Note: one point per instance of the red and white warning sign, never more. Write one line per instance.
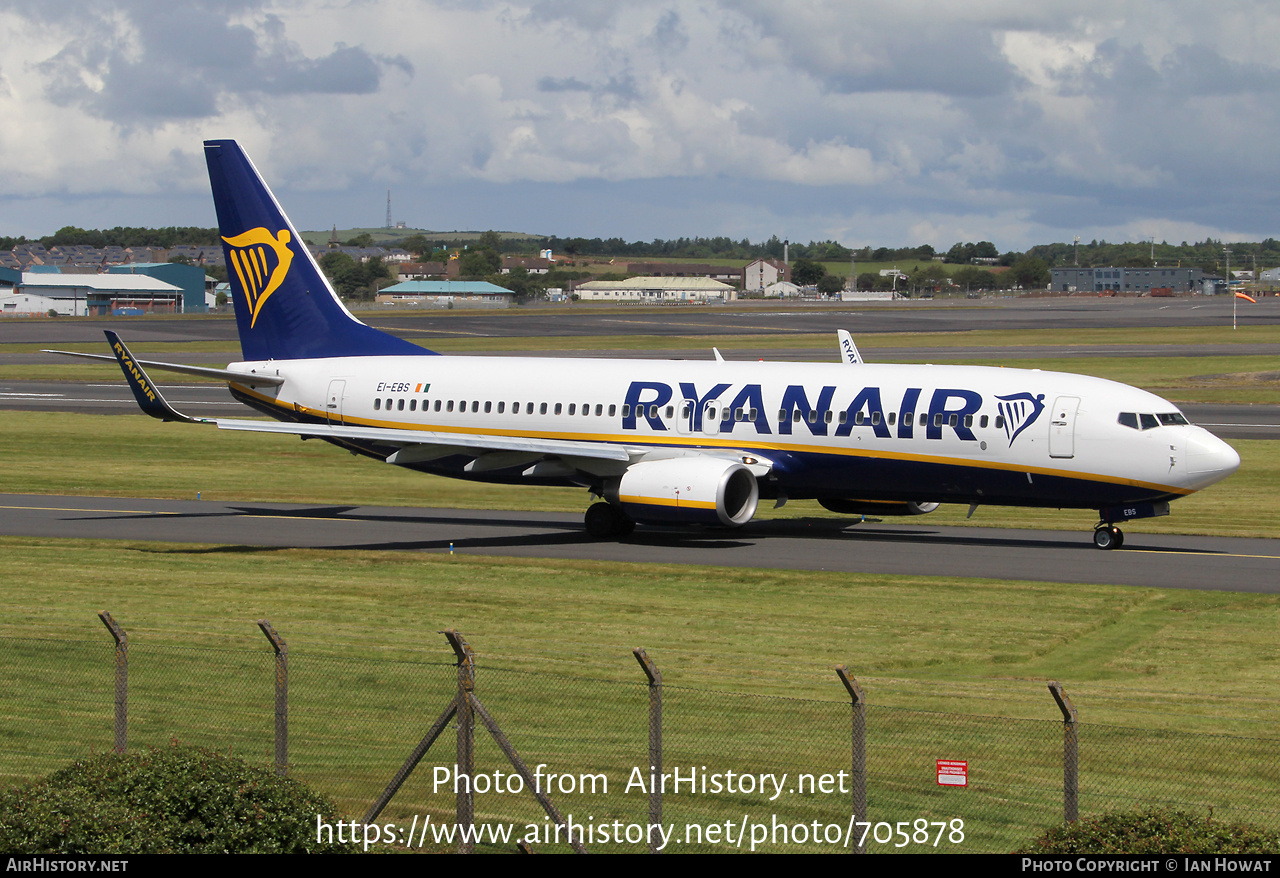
(953, 773)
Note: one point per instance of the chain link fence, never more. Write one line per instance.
(710, 771)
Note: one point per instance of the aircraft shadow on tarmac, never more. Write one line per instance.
(551, 532)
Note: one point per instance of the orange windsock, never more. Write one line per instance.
(1250, 298)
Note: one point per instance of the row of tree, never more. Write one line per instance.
(1026, 273)
(1208, 255)
(120, 236)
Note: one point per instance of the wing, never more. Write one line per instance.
(408, 446)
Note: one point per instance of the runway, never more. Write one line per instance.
(1212, 563)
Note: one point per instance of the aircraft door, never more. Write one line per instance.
(684, 422)
(1062, 427)
(333, 402)
(711, 418)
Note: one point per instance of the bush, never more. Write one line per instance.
(169, 800)
(1154, 831)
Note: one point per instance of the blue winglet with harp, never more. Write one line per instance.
(149, 397)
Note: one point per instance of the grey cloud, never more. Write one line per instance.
(669, 34)
(622, 87)
(1186, 71)
(569, 83)
(590, 14)
(184, 59)
(956, 64)
(346, 70)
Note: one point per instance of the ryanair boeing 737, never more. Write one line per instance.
(678, 442)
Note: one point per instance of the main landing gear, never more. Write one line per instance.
(1108, 536)
(604, 520)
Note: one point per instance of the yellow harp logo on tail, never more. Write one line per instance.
(261, 261)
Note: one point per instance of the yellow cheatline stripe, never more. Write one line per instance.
(1202, 552)
(753, 444)
(663, 501)
(90, 509)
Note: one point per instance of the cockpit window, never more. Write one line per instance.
(1141, 421)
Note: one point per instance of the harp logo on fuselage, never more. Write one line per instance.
(1020, 410)
(261, 261)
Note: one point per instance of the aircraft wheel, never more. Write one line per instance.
(1119, 534)
(1107, 537)
(603, 521)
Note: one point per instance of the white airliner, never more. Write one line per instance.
(683, 442)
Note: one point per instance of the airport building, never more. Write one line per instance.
(85, 295)
(657, 290)
(191, 279)
(446, 294)
(1135, 281)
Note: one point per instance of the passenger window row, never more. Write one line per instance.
(711, 414)
(461, 406)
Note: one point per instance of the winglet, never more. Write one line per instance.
(149, 398)
(848, 350)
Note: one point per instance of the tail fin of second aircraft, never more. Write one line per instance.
(285, 308)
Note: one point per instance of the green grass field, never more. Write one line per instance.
(952, 668)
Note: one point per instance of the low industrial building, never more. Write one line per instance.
(446, 294)
(191, 279)
(657, 290)
(85, 295)
(1135, 281)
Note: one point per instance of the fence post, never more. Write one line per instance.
(282, 696)
(1070, 754)
(465, 768)
(858, 739)
(655, 743)
(122, 680)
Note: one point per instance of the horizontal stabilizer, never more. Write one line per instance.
(246, 378)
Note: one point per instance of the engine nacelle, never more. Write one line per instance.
(688, 490)
(877, 507)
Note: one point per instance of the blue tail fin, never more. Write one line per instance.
(285, 308)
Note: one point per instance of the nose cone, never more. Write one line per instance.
(1209, 459)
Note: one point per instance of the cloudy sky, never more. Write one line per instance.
(883, 122)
